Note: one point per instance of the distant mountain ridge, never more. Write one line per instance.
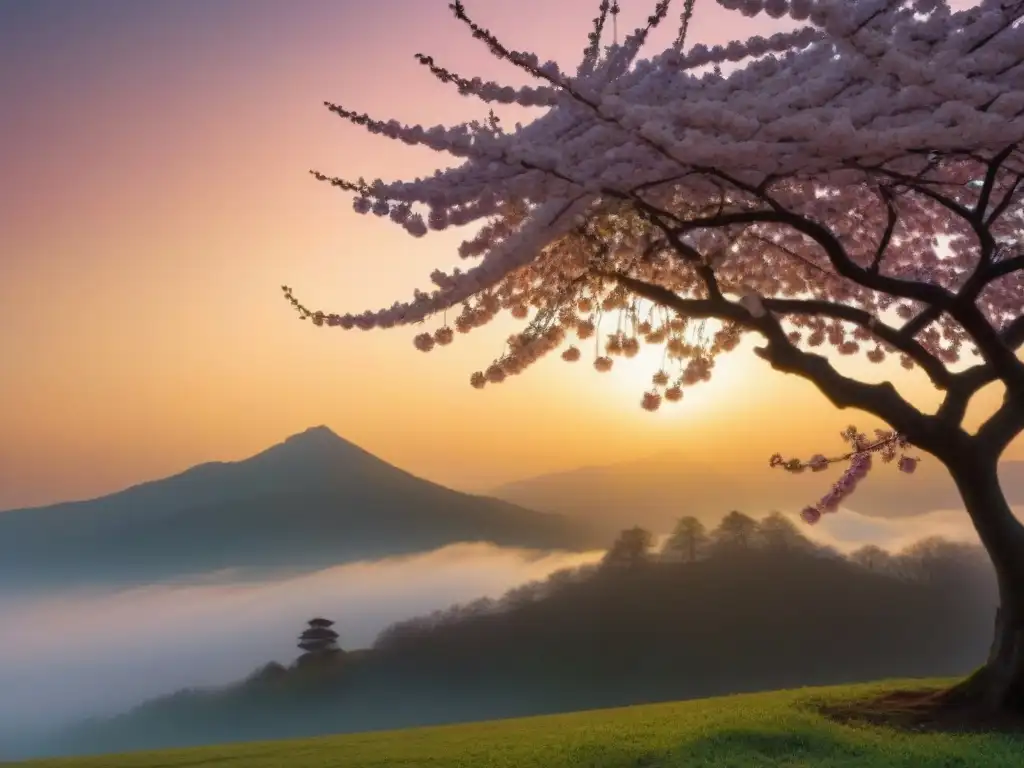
(312, 500)
(656, 491)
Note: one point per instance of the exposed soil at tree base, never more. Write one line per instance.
(927, 711)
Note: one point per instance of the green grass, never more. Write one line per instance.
(743, 731)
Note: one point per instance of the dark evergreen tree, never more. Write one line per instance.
(630, 550)
(736, 532)
(318, 640)
(687, 542)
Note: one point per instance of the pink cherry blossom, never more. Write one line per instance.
(651, 401)
(810, 515)
(424, 342)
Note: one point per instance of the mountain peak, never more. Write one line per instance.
(320, 434)
(314, 443)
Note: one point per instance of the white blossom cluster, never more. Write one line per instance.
(877, 123)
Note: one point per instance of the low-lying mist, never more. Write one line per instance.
(85, 652)
(847, 531)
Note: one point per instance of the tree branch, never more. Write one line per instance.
(692, 255)
(700, 309)
(967, 383)
(932, 366)
(964, 311)
(890, 226)
(834, 250)
(1004, 267)
(919, 185)
(976, 222)
(881, 400)
(1002, 427)
(920, 321)
(1000, 208)
(791, 253)
(989, 183)
(1013, 334)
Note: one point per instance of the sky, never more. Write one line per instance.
(155, 197)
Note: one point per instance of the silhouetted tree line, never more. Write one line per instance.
(933, 560)
(749, 605)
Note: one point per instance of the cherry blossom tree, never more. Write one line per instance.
(853, 185)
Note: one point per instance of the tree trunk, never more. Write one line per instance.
(999, 684)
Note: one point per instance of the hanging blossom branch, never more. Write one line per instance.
(861, 170)
(887, 444)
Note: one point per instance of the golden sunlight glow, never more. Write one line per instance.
(733, 373)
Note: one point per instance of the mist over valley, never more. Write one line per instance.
(92, 652)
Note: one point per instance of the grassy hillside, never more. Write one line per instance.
(756, 730)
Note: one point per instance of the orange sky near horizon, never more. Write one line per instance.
(155, 196)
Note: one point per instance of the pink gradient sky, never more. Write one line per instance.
(155, 197)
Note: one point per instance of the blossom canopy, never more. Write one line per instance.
(828, 119)
(853, 183)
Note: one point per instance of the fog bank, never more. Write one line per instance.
(847, 530)
(87, 652)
